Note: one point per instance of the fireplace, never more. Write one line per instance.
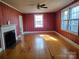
(9, 38)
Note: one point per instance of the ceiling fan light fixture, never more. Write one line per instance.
(41, 6)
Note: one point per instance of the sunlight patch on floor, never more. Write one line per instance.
(48, 37)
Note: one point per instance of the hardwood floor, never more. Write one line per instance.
(41, 46)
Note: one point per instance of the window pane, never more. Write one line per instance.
(64, 20)
(73, 26)
(74, 12)
(66, 15)
(64, 25)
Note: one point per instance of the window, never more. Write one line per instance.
(70, 19)
(73, 21)
(38, 19)
(64, 24)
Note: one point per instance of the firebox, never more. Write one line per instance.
(9, 38)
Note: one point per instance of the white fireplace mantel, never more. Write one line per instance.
(3, 29)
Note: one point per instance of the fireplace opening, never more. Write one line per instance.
(10, 39)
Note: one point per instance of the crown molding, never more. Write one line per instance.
(10, 6)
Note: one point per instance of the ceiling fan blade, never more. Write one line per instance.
(41, 6)
(38, 6)
(44, 7)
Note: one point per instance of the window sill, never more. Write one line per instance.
(76, 34)
(38, 27)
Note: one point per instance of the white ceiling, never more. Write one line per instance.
(30, 6)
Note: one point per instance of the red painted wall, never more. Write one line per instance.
(49, 21)
(9, 14)
(58, 26)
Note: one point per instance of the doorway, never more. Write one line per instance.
(20, 24)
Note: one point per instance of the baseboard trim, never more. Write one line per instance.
(67, 40)
(37, 32)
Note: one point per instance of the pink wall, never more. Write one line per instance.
(9, 14)
(49, 21)
(58, 26)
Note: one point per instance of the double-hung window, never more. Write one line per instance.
(38, 21)
(70, 19)
(74, 19)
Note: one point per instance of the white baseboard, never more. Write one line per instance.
(68, 40)
(37, 32)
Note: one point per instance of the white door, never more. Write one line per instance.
(21, 24)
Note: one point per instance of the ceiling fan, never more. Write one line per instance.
(38, 4)
(41, 6)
